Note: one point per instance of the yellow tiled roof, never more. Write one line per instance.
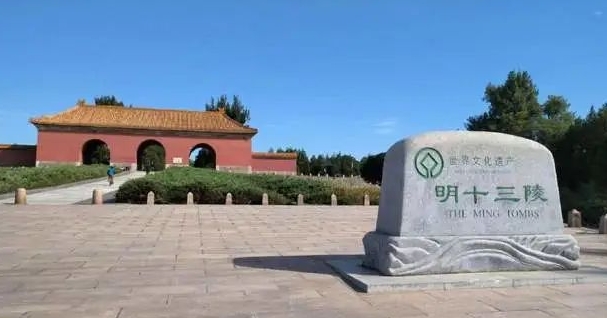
(144, 118)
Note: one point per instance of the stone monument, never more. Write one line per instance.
(460, 201)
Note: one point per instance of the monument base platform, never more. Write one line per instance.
(370, 281)
(398, 256)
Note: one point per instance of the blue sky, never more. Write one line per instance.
(329, 76)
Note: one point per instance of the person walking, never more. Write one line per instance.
(111, 171)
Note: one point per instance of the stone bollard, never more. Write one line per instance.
(190, 198)
(150, 197)
(228, 198)
(366, 201)
(300, 199)
(20, 196)
(133, 168)
(574, 218)
(97, 197)
(264, 199)
(333, 199)
(603, 225)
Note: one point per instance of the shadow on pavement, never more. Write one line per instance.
(300, 263)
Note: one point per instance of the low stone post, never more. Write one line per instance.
(300, 199)
(150, 197)
(133, 168)
(228, 199)
(366, 201)
(264, 199)
(603, 225)
(21, 196)
(333, 199)
(574, 218)
(190, 198)
(97, 197)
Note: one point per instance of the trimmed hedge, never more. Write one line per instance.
(41, 177)
(211, 187)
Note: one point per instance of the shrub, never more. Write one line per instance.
(40, 177)
(211, 187)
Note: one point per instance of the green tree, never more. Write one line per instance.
(514, 109)
(154, 158)
(205, 159)
(581, 164)
(235, 109)
(101, 155)
(371, 167)
(303, 163)
(108, 100)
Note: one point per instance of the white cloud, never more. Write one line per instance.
(598, 13)
(385, 126)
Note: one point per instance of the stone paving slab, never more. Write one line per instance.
(227, 261)
(78, 193)
(370, 281)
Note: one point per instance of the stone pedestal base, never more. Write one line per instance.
(396, 256)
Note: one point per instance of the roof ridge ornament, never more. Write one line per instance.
(81, 102)
(221, 110)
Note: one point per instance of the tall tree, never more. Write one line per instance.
(371, 167)
(303, 163)
(235, 109)
(514, 109)
(108, 100)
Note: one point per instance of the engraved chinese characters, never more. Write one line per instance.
(486, 201)
(457, 183)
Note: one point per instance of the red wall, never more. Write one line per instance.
(16, 156)
(274, 165)
(67, 147)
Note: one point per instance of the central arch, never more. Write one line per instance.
(151, 154)
(95, 151)
(203, 156)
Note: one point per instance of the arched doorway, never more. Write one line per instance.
(203, 156)
(151, 154)
(95, 151)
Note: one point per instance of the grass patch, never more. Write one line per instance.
(41, 177)
(210, 187)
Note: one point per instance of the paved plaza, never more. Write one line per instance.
(229, 261)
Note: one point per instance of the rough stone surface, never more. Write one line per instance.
(190, 198)
(150, 199)
(603, 225)
(394, 255)
(97, 196)
(574, 218)
(20, 196)
(497, 191)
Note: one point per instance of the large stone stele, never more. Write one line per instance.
(461, 201)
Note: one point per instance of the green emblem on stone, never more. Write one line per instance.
(429, 163)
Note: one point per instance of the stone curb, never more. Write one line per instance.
(61, 186)
(593, 250)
